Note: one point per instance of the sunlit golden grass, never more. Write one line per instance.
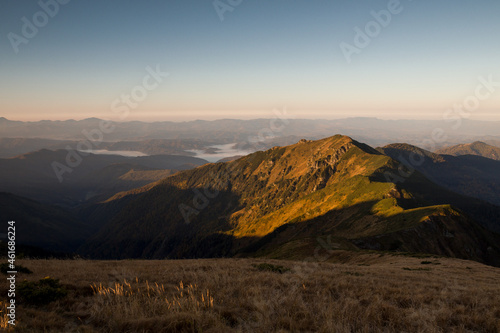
(354, 292)
(134, 300)
(4, 319)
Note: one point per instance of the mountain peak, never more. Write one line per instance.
(91, 119)
(281, 197)
(477, 148)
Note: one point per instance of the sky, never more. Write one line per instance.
(245, 58)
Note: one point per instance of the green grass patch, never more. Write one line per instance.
(264, 267)
(40, 292)
(353, 273)
(415, 255)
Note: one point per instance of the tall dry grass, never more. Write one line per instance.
(146, 301)
(4, 319)
(364, 293)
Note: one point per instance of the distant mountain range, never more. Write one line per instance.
(258, 132)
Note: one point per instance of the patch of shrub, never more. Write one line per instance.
(4, 268)
(40, 292)
(416, 255)
(271, 268)
(416, 269)
(395, 245)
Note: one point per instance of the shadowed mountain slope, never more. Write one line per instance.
(32, 175)
(470, 175)
(43, 226)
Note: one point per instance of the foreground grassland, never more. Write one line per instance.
(353, 292)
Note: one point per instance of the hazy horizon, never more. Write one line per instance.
(270, 116)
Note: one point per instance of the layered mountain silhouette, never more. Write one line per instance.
(96, 177)
(12, 147)
(277, 203)
(376, 132)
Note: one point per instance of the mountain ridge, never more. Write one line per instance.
(235, 205)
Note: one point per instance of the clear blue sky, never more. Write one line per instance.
(264, 55)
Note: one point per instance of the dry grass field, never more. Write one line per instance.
(353, 292)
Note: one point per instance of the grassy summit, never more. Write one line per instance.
(286, 197)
